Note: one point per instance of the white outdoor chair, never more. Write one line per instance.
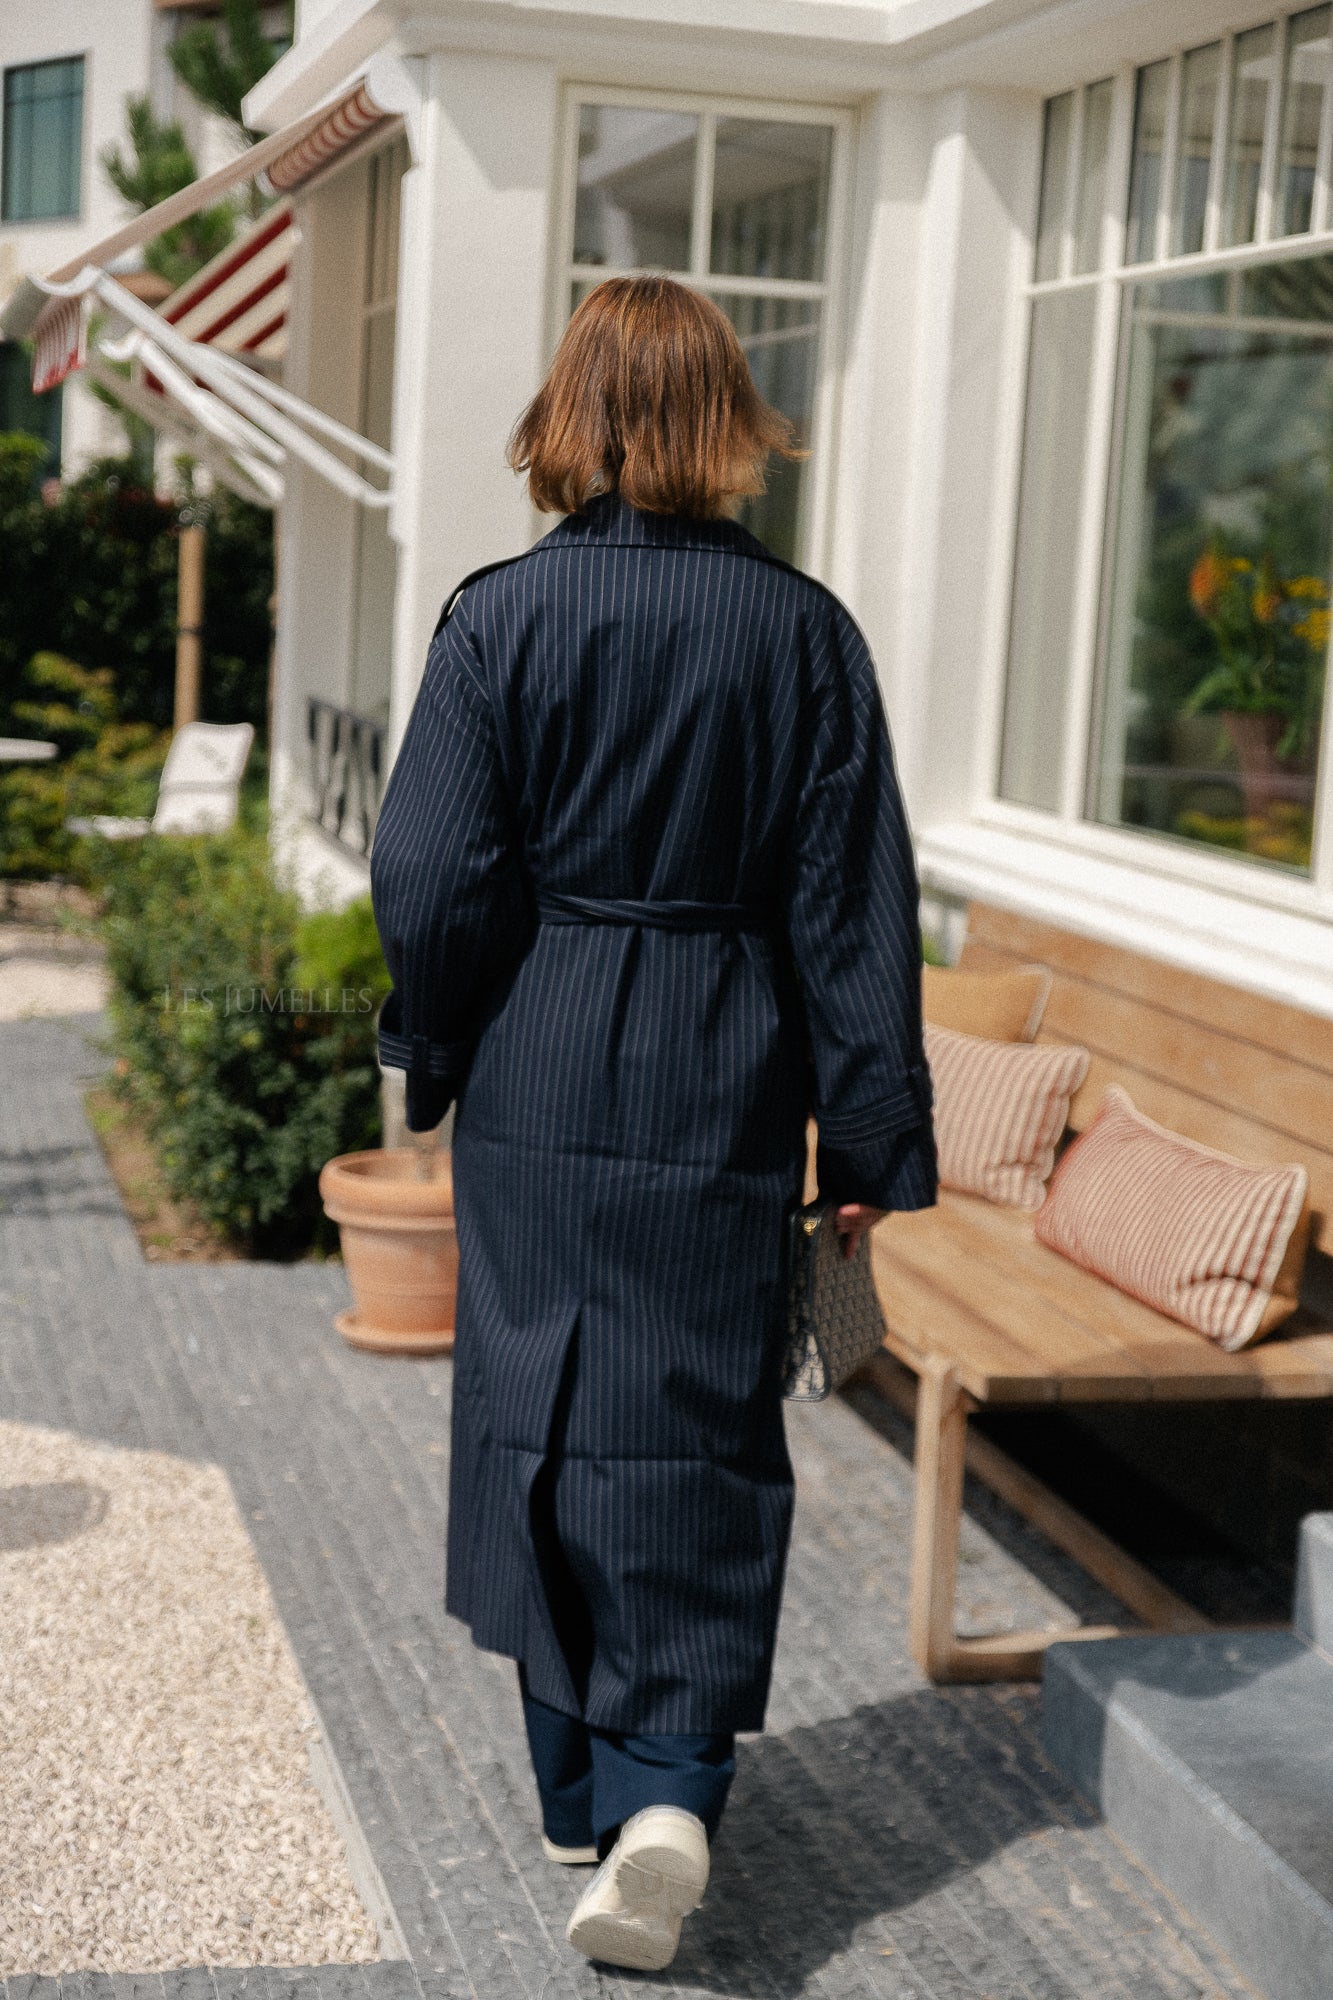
(199, 790)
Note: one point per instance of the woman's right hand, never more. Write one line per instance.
(853, 1220)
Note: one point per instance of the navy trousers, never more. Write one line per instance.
(591, 1780)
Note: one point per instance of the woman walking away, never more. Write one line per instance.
(647, 896)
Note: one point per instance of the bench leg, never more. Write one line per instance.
(942, 1407)
(941, 1434)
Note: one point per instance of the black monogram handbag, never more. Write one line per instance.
(834, 1322)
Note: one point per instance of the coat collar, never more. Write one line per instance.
(610, 522)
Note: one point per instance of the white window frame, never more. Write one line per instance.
(1309, 896)
(816, 525)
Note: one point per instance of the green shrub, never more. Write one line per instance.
(88, 570)
(249, 1080)
(105, 766)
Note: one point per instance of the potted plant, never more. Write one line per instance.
(395, 1213)
(1272, 637)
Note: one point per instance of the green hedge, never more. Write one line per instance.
(244, 1031)
(88, 570)
(104, 766)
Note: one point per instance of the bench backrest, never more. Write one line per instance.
(1232, 1069)
(201, 779)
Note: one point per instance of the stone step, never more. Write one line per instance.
(1211, 1756)
(1314, 1584)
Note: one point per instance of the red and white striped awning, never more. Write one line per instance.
(238, 302)
(349, 120)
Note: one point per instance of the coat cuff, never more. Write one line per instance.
(900, 1110)
(435, 1070)
(893, 1172)
(882, 1154)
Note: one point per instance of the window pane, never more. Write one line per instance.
(1145, 183)
(385, 199)
(1307, 72)
(781, 342)
(1200, 73)
(1249, 115)
(1092, 177)
(635, 188)
(43, 141)
(770, 198)
(1219, 616)
(20, 410)
(1054, 183)
(1055, 432)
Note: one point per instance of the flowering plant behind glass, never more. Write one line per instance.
(1272, 637)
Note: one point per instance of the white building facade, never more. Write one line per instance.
(1047, 289)
(67, 68)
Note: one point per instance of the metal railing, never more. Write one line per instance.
(346, 772)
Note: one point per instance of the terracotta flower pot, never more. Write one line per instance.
(1265, 778)
(399, 1248)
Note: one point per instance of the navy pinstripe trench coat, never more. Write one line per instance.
(647, 897)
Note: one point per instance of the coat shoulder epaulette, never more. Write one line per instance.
(474, 576)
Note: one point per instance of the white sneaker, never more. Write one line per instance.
(631, 1912)
(569, 1857)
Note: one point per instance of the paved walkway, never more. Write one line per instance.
(885, 1840)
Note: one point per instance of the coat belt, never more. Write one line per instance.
(555, 908)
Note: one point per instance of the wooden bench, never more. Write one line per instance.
(986, 1317)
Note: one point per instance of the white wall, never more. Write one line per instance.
(316, 526)
(879, 366)
(952, 546)
(471, 331)
(115, 38)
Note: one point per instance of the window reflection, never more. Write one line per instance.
(1308, 50)
(1219, 614)
(1145, 187)
(635, 187)
(1054, 184)
(770, 198)
(1201, 74)
(1092, 176)
(1249, 117)
(781, 342)
(1041, 622)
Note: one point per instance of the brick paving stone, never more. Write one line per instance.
(885, 1840)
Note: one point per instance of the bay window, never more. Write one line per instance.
(1169, 615)
(743, 204)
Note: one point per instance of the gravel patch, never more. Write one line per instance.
(156, 1805)
(45, 970)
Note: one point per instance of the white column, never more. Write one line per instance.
(877, 362)
(471, 332)
(316, 525)
(942, 667)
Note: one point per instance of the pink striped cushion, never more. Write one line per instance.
(1191, 1231)
(999, 1109)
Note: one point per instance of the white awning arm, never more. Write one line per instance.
(210, 368)
(314, 419)
(235, 468)
(206, 408)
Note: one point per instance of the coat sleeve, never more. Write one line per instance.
(446, 879)
(854, 928)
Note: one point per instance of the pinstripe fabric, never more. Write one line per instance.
(1000, 1108)
(653, 711)
(1185, 1228)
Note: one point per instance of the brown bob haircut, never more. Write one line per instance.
(650, 396)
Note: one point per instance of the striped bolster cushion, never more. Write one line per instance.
(1000, 1107)
(1210, 1240)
